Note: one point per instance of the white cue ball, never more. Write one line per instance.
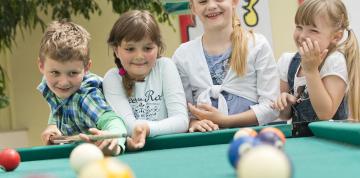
(264, 161)
(84, 154)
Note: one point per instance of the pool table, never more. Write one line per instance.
(333, 151)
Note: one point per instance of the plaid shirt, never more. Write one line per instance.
(81, 110)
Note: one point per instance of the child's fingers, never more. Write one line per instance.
(324, 53)
(200, 128)
(141, 143)
(130, 143)
(113, 143)
(135, 145)
(310, 44)
(95, 131)
(211, 124)
(292, 99)
(197, 127)
(279, 103)
(55, 132)
(301, 51)
(305, 47)
(198, 113)
(103, 144)
(191, 129)
(284, 101)
(46, 138)
(84, 137)
(205, 126)
(272, 105)
(206, 107)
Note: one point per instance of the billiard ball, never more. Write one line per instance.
(106, 168)
(276, 131)
(84, 154)
(270, 138)
(9, 159)
(245, 132)
(264, 161)
(239, 147)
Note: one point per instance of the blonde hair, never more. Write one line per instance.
(65, 41)
(239, 41)
(134, 25)
(336, 12)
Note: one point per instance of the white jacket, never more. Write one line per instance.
(260, 84)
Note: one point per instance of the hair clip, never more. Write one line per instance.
(122, 71)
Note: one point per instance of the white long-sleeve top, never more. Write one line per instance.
(260, 84)
(159, 100)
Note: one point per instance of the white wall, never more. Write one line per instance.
(354, 15)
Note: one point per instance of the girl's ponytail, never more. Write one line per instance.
(350, 48)
(239, 41)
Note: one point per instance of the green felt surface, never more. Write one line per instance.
(341, 131)
(312, 157)
(155, 143)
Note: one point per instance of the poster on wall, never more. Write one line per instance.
(254, 15)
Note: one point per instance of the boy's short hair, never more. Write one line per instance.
(65, 41)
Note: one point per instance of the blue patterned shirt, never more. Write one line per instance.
(81, 110)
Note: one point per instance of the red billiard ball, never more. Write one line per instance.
(9, 159)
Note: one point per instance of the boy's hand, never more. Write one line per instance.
(207, 112)
(110, 147)
(202, 125)
(137, 140)
(51, 130)
(285, 100)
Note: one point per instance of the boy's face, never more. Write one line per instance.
(63, 78)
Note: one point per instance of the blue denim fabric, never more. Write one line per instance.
(304, 111)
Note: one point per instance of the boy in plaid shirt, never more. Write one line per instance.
(75, 96)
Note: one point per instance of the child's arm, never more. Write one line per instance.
(138, 138)
(51, 130)
(325, 93)
(284, 101)
(117, 99)
(267, 85)
(208, 112)
(175, 102)
(95, 109)
(110, 122)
